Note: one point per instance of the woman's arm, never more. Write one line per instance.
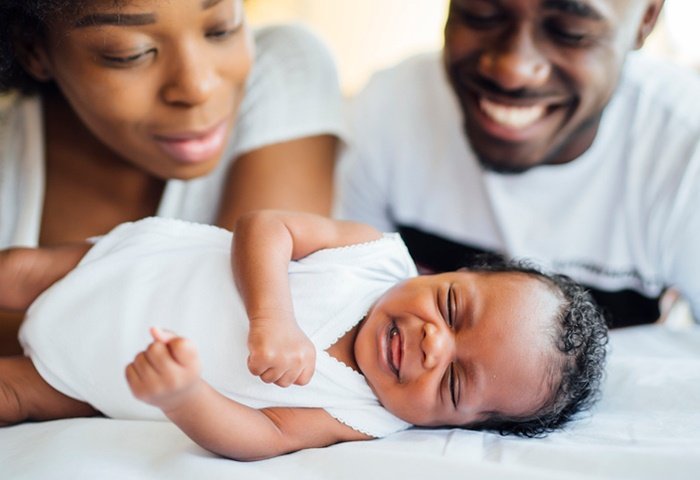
(166, 375)
(26, 272)
(263, 244)
(292, 175)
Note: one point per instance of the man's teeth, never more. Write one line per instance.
(512, 117)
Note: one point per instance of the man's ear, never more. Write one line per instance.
(651, 15)
(32, 55)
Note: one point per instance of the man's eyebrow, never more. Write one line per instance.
(573, 7)
(118, 19)
(127, 19)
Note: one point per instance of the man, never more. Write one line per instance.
(538, 134)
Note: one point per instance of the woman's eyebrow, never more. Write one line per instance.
(118, 19)
(127, 19)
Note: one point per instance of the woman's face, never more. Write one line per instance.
(157, 82)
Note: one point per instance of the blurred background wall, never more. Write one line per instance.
(366, 35)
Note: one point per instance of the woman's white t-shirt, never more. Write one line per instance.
(292, 92)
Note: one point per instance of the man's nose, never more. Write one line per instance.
(435, 345)
(514, 61)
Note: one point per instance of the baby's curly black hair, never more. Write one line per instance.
(579, 335)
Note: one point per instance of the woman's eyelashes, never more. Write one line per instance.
(221, 33)
(128, 60)
(216, 34)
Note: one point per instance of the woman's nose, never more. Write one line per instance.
(435, 345)
(191, 80)
(514, 62)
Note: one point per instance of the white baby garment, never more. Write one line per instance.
(84, 330)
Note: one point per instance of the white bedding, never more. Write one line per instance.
(647, 425)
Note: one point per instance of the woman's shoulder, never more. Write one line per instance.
(294, 54)
(285, 40)
(292, 92)
(14, 106)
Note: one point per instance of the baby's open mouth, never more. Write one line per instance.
(394, 352)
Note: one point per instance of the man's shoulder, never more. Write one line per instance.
(662, 85)
(422, 64)
(411, 78)
(406, 94)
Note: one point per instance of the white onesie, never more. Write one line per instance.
(83, 331)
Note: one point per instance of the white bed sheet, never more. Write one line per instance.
(647, 426)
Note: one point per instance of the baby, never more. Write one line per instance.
(332, 311)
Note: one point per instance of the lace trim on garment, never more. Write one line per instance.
(361, 430)
(385, 237)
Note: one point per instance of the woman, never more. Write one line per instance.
(121, 109)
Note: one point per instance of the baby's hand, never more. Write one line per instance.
(166, 372)
(283, 356)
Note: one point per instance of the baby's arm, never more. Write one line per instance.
(26, 272)
(264, 242)
(166, 375)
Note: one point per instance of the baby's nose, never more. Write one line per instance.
(434, 345)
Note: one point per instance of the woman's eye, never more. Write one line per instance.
(220, 34)
(224, 33)
(127, 61)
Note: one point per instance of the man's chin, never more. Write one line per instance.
(504, 167)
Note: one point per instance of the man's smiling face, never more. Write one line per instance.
(533, 76)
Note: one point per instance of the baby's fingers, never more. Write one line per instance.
(257, 364)
(184, 352)
(161, 335)
(305, 376)
(287, 379)
(159, 357)
(271, 375)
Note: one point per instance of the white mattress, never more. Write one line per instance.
(646, 426)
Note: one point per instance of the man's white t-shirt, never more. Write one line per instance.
(623, 219)
(292, 92)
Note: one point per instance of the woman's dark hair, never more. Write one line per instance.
(580, 335)
(22, 22)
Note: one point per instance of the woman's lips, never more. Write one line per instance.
(196, 146)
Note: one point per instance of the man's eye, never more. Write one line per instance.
(478, 21)
(567, 36)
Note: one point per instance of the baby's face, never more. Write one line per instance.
(450, 349)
